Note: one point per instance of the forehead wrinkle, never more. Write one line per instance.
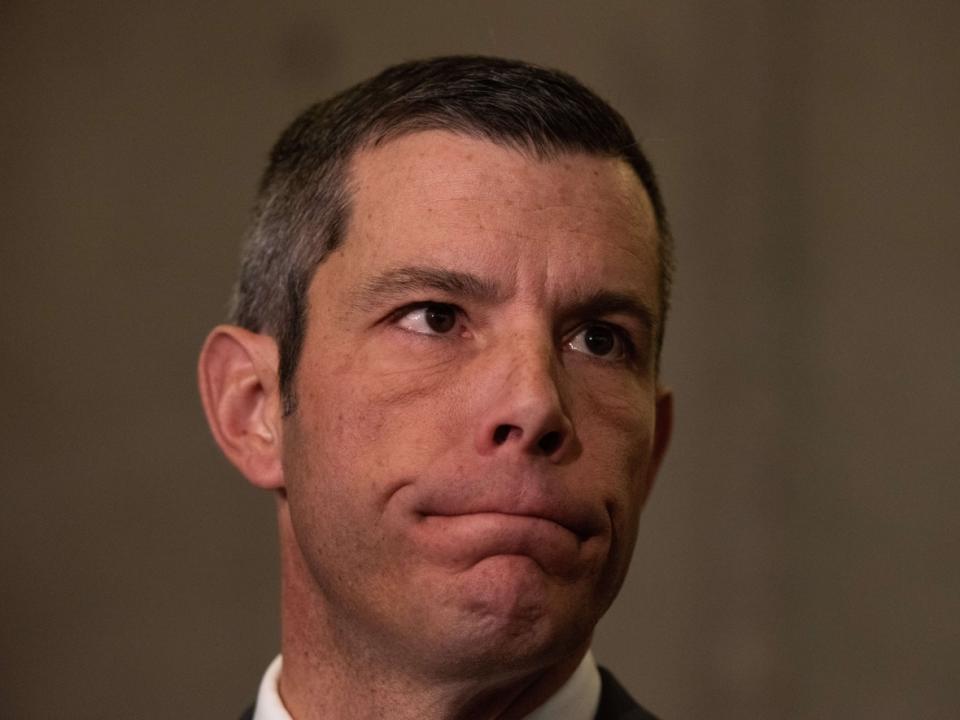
(480, 207)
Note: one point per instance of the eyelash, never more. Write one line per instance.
(628, 346)
(399, 313)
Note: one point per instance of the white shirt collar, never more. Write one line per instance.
(269, 704)
(577, 699)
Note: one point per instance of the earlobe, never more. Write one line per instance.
(237, 373)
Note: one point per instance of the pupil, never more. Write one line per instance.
(440, 318)
(599, 340)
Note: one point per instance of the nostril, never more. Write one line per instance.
(501, 434)
(550, 442)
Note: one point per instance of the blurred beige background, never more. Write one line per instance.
(799, 556)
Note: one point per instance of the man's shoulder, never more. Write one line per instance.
(616, 703)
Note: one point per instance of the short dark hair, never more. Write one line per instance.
(303, 204)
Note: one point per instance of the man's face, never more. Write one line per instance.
(477, 407)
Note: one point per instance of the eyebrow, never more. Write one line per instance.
(610, 302)
(399, 281)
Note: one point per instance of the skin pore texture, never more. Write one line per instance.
(478, 426)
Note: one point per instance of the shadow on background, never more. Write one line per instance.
(798, 558)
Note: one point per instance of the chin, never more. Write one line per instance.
(506, 612)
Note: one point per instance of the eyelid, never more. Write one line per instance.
(419, 305)
(397, 315)
(627, 347)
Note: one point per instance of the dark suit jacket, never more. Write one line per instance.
(615, 702)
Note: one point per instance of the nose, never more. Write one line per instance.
(524, 412)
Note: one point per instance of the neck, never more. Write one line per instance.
(313, 690)
(332, 672)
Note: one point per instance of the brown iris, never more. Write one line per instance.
(599, 340)
(440, 318)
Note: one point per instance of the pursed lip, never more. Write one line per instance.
(578, 518)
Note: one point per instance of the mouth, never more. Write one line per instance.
(456, 521)
(516, 499)
(462, 540)
(460, 525)
(579, 527)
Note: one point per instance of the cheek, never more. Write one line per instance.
(372, 410)
(356, 436)
(616, 428)
(621, 417)
(622, 435)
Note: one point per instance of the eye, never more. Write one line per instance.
(600, 341)
(429, 319)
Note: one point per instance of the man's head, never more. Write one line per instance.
(459, 271)
(304, 202)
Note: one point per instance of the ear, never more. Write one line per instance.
(241, 397)
(663, 429)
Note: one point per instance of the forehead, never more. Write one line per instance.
(440, 198)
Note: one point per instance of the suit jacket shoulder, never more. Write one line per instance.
(616, 703)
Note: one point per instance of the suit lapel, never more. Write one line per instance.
(616, 703)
